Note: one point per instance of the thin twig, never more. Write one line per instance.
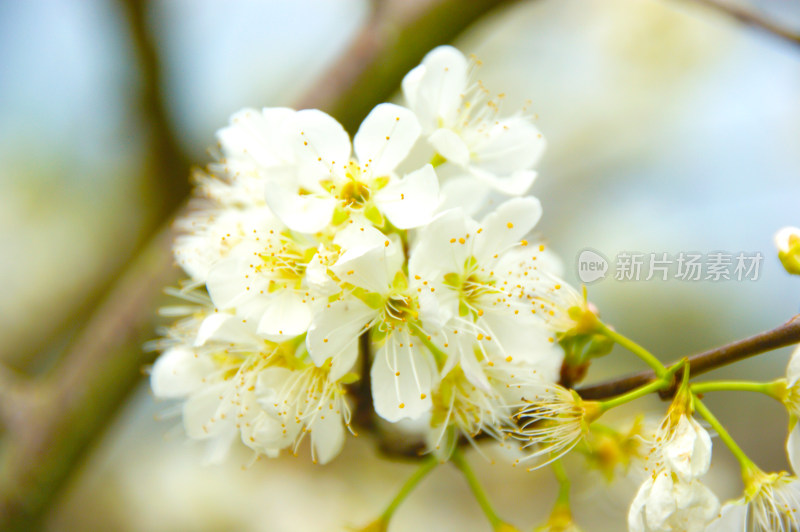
(786, 334)
(748, 17)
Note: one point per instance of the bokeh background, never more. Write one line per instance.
(671, 128)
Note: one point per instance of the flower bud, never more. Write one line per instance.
(787, 240)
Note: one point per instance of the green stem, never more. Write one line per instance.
(771, 389)
(563, 483)
(477, 490)
(427, 466)
(745, 462)
(634, 348)
(634, 394)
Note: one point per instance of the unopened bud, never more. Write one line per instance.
(787, 240)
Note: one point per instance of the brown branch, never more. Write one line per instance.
(166, 166)
(748, 17)
(162, 181)
(786, 334)
(64, 413)
(398, 35)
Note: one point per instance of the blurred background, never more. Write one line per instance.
(671, 128)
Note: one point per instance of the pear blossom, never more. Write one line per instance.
(463, 407)
(666, 503)
(329, 186)
(477, 288)
(234, 383)
(208, 234)
(551, 422)
(672, 498)
(376, 295)
(771, 504)
(263, 279)
(254, 146)
(681, 446)
(464, 125)
(771, 501)
(299, 241)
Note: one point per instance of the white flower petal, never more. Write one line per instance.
(511, 144)
(257, 135)
(355, 240)
(318, 279)
(372, 270)
(515, 184)
(732, 518)
(201, 418)
(636, 522)
(450, 145)
(439, 249)
(688, 453)
(305, 213)
(410, 202)
(327, 434)
(217, 448)
(320, 141)
(179, 372)
(385, 138)
(285, 316)
(224, 327)
(506, 226)
(334, 333)
(434, 89)
(464, 192)
(401, 379)
(793, 369)
(793, 448)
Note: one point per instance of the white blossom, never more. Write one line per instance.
(376, 295)
(478, 291)
(234, 383)
(681, 446)
(465, 127)
(771, 504)
(329, 186)
(552, 421)
(666, 503)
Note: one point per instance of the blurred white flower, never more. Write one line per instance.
(235, 383)
(462, 407)
(463, 124)
(681, 446)
(667, 503)
(771, 504)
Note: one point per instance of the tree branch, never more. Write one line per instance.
(751, 19)
(398, 34)
(786, 334)
(166, 166)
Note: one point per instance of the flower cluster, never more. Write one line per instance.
(672, 497)
(300, 242)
